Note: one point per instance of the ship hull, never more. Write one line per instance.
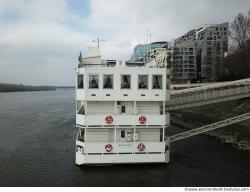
(122, 153)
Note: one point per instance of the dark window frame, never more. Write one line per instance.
(97, 82)
(129, 81)
(80, 85)
(160, 83)
(138, 82)
(112, 81)
(123, 134)
(123, 109)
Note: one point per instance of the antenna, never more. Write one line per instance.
(98, 41)
(148, 46)
(147, 34)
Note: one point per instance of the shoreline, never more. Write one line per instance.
(236, 135)
(5, 88)
(20, 91)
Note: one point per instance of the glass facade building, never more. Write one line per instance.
(141, 50)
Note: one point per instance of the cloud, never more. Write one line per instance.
(35, 10)
(125, 23)
(38, 46)
(40, 40)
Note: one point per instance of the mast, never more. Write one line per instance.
(98, 41)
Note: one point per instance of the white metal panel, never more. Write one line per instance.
(129, 108)
(98, 159)
(142, 135)
(140, 158)
(80, 94)
(118, 135)
(99, 135)
(149, 135)
(99, 108)
(152, 108)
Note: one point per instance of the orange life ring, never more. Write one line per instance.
(109, 119)
(141, 147)
(108, 147)
(142, 119)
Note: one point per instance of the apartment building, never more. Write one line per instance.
(211, 47)
(183, 66)
(195, 56)
(207, 44)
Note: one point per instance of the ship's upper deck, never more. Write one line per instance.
(111, 80)
(113, 63)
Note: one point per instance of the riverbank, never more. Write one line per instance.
(4, 87)
(236, 135)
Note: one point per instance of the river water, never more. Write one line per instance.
(37, 136)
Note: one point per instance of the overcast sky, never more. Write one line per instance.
(41, 39)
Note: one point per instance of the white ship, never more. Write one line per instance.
(120, 111)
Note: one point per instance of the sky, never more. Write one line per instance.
(40, 40)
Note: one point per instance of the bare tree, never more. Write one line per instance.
(237, 63)
(240, 32)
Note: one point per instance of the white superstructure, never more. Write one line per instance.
(120, 111)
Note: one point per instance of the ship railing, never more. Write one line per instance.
(110, 65)
(207, 93)
(117, 126)
(80, 137)
(96, 65)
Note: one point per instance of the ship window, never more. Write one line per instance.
(125, 81)
(108, 81)
(143, 82)
(157, 81)
(80, 82)
(161, 109)
(123, 109)
(80, 108)
(78, 105)
(93, 81)
(122, 133)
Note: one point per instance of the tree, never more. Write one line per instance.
(240, 32)
(237, 63)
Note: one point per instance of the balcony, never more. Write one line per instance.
(111, 120)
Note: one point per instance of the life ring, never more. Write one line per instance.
(108, 147)
(141, 147)
(142, 119)
(109, 119)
